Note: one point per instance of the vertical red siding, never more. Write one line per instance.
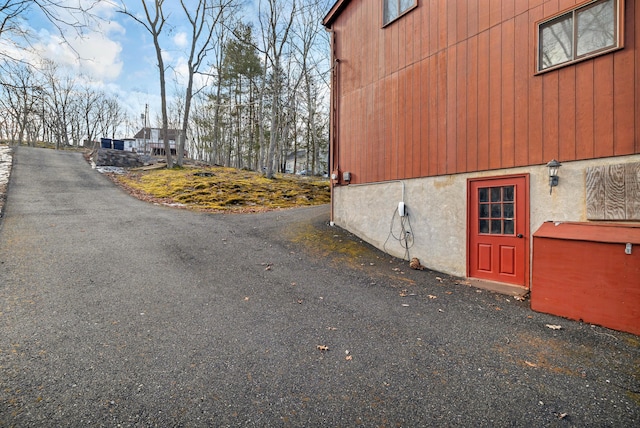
(603, 105)
(451, 111)
(522, 67)
(624, 62)
(472, 104)
(550, 123)
(535, 97)
(461, 20)
(584, 110)
(495, 96)
(416, 122)
(483, 101)
(452, 23)
(567, 113)
(472, 18)
(433, 115)
(451, 87)
(424, 118)
(441, 112)
(508, 90)
(404, 134)
(461, 110)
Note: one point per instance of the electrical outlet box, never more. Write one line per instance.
(402, 210)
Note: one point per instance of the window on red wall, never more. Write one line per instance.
(393, 9)
(588, 30)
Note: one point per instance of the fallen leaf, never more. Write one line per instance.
(431, 296)
(322, 348)
(449, 292)
(438, 278)
(405, 305)
(246, 299)
(530, 364)
(562, 415)
(268, 267)
(520, 298)
(553, 326)
(403, 293)
(440, 310)
(331, 328)
(348, 358)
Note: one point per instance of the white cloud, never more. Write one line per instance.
(180, 40)
(94, 51)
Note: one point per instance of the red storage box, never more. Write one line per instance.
(588, 272)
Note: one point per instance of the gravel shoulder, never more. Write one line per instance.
(5, 171)
(115, 312)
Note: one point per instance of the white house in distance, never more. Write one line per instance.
(149, 141)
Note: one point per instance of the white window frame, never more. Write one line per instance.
(618, 15)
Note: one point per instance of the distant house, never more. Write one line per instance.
(455, 108)
(296, 162)
(150, 141)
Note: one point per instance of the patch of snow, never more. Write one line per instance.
(5, 164)
(109, 169)
(5, 171)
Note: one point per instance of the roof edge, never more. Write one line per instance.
(337, 8)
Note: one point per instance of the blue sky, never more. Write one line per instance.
(116, 54)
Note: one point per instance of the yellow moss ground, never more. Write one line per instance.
(224, 189)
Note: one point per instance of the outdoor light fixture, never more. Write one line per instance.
(553, 166)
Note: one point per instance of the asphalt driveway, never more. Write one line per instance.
(115, 312)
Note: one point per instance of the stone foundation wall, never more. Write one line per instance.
(120, 158)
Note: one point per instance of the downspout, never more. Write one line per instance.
(334, 165)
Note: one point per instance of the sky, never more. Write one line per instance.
(116, 53)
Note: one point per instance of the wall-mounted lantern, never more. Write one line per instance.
(553, 166)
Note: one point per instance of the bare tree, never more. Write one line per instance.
(154, 21)
(206, 15)
(275, 23)
(17, 86)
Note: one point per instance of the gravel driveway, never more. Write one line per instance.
(114, 312)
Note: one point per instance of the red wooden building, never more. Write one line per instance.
(455, 108)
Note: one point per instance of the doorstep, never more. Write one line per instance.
(498, 287)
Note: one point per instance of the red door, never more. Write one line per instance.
(498, 244)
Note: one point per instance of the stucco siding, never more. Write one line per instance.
(437, 208)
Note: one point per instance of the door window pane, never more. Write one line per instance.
(507, 193)
(496, 194)
(496, 210)
(508, 227)
(507, 210)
